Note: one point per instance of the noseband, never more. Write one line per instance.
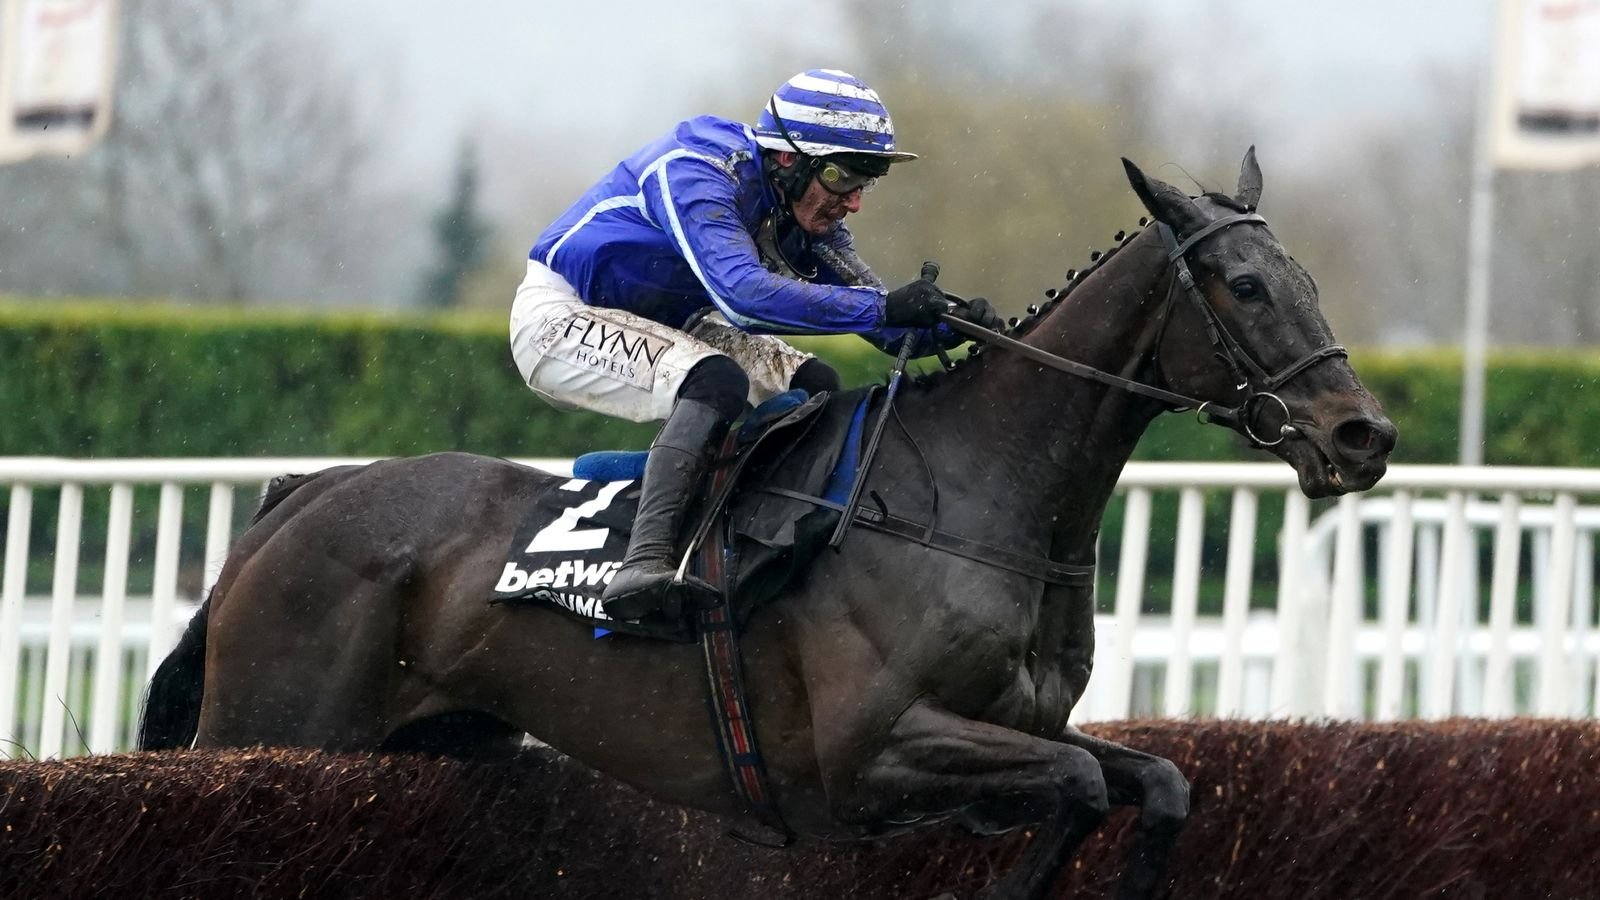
(1248, 375)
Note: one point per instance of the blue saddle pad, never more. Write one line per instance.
(610, 465)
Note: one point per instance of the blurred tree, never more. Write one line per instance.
(1020, 177)
(461, 236)
(238, 167)
(233, 170)
(1386, 234)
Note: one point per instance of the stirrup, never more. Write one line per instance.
(666, 598)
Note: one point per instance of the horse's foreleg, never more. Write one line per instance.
(936, 764)
(1162, 794)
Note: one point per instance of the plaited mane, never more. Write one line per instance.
(1016, 327)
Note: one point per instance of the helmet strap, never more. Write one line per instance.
(783, 127)
(791, 179)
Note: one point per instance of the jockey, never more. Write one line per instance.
(656, 294)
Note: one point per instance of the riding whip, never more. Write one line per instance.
(930, 273)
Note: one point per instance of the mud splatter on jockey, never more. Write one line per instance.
(656, 295)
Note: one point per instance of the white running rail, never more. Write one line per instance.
(1445, 591)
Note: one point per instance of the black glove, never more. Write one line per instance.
(980, 312)
(917, 305)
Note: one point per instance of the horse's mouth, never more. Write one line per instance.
(1345, 481)
(1322, 475)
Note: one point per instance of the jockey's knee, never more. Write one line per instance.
(814, 377)
(718, 382)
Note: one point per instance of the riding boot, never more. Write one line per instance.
(678, 460)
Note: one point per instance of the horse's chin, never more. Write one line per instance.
(1320, 476)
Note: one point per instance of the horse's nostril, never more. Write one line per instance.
(1363, 439)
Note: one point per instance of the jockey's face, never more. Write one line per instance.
(818, 211)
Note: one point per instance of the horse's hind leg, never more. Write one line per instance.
(1162, 794)
(308, 656)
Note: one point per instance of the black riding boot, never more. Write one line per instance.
(672, 473)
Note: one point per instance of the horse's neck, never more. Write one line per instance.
(1059, 441)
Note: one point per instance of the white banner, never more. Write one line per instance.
(1546, 112)
(57, 59)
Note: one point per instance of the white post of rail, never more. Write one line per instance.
(219, 531)
(108, 658)
(1439, 685)
(164, 590)
(14, 585)
(63, 591)
(1582, 617)
(1130, 592)
(1340, 697)
(1179, 689)
(1588, 574)
(1553, 683)
(1236, 602)
(1397, 581)
(1497, 671)
(1289, 684)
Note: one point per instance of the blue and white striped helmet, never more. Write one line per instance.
(827, 111)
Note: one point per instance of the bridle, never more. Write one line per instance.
(1248, 374)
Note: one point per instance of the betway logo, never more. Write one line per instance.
(570, 573)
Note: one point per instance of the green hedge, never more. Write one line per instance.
(141, 380)
(107, 381)
(128, 380)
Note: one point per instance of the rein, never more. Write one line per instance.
(1257, 380)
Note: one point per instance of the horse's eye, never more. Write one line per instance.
(1246, 289)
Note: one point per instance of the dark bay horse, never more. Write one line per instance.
(893, 685)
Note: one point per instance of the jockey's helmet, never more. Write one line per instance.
(822, 112)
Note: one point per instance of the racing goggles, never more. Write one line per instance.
(836, 179)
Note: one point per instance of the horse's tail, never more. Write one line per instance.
(279, 489)
(171, 715)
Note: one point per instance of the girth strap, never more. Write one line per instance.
(1036, 567)
(725, 695)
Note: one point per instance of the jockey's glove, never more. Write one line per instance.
(981, 312)
(917, 305)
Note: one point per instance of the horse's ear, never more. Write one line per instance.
(1165, 202)
(1249, 195)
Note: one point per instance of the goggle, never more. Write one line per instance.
(836, 179)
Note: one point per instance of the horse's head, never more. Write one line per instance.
(1249, 336)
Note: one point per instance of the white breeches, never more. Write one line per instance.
(613, 362)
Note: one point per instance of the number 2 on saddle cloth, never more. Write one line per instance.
(573, 538)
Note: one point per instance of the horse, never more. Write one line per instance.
(893, 684)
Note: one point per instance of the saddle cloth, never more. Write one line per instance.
(572, 539)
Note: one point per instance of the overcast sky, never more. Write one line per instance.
(623, 70)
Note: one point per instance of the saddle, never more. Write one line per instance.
(765, 511)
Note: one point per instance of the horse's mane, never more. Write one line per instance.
(1054, 296)
(1018, 327)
